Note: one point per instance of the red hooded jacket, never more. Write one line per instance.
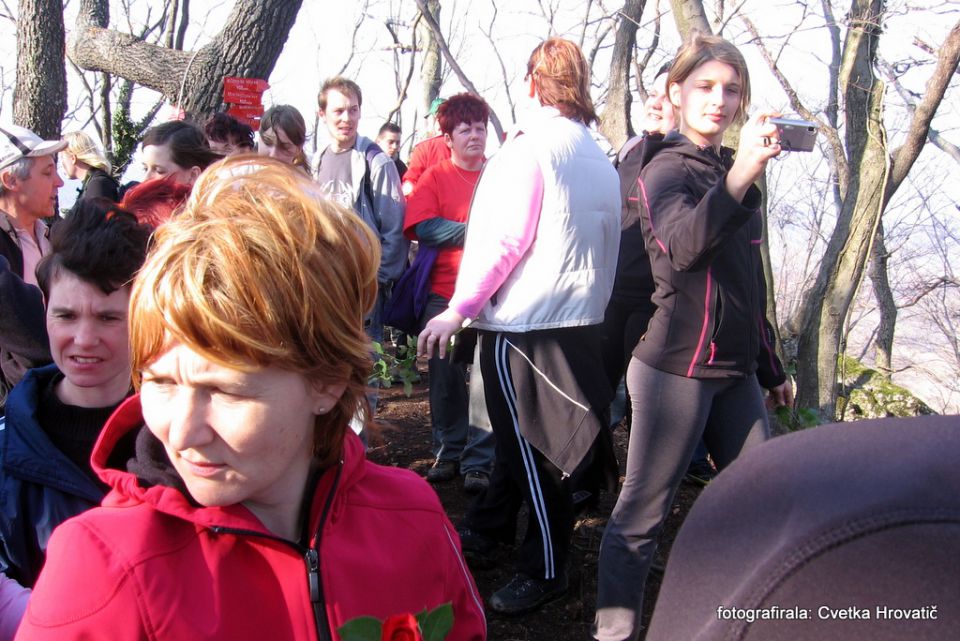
(151, 564)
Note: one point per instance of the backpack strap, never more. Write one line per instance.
(368, 155)
(628, 146)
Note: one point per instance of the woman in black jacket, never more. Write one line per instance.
(83, 159)
(708, 349)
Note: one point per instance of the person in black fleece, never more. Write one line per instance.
(698, 369)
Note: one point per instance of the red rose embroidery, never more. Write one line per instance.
(401, 627)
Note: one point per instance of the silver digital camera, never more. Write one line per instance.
(796, 135)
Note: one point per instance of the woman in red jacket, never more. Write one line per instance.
(241, 505)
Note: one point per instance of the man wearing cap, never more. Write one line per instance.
(28, 191)
(428, 152)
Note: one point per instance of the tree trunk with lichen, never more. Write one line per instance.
(431, 64)
(40, 93)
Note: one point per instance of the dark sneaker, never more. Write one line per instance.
(475, 482)
(585, 501)
(524, 594)
(479, 550)
(442, 471)
(474, 543)
(700, 473)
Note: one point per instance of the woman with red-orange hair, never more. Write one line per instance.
(536, 274)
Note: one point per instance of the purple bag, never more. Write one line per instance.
(409, 298)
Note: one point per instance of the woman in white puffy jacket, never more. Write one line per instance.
(537, 271)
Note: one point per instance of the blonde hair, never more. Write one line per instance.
(562, 78)
(87, 151)
(259, 270)
(702, 48)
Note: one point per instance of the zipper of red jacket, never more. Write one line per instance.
(311, 557)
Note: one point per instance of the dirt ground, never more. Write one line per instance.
(405, 442)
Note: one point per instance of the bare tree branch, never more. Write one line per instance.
(947, 62)
(689, 16)
(503, 67)
(838, 157)
(464, 80)
(933, 135)
(7, 13)
(249, 44)
(403, 89)
(361, 15)
(184, 21)
(641, 65)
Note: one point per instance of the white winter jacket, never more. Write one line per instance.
(565, 275)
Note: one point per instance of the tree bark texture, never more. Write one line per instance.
(689, 16)
(434, 26)
(615, 122)
(247, 46)
(874, 175)
(841, 271)
(430, 65)
(886, 304)
(40, 94)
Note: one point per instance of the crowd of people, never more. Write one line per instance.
(186, 361)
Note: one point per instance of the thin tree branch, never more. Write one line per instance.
(445, 50)
(838, 158)
(904, 157)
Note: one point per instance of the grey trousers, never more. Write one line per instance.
(670, 415)
(461, 430)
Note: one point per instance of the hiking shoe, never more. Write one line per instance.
(473, 543)
(585, 501)
(442, 471)
(478, 549)
(475, 482)
(524, 593)
(700, 473)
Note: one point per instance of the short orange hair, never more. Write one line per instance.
(260, 270)
(562, 78)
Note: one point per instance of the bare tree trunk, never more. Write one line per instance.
(888, 307)
(431, 72)
(689, 15)
(850, 245)
(615, 122)
(248, 45)
(771, 310)
(434, 26)
(874, 177)
(40, 94)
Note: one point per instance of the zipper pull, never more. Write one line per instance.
(313, 574)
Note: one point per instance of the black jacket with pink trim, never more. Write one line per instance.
(704, 250)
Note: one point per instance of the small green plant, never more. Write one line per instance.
(797, 418)
(401, 366)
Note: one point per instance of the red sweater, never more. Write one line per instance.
(149, 564)
(444, 191)
(426, 154)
